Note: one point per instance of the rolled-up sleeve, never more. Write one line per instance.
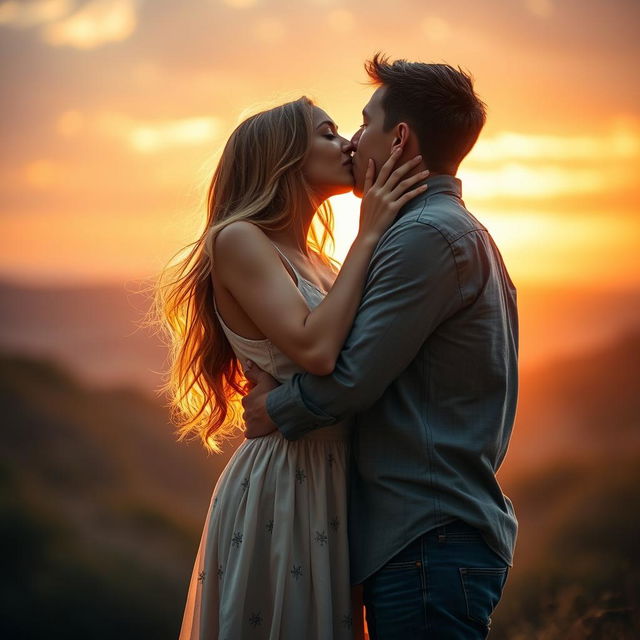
(412, 287)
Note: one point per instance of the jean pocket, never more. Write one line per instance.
(482, 589)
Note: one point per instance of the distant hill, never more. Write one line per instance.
(578, 406)
(95, 329)
(573, 472)
(574, 574)
(101, 509)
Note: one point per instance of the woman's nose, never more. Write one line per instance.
(347, 145)
(356, 138)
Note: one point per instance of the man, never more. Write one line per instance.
(429, 375)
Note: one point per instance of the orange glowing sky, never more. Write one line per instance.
(114, 111)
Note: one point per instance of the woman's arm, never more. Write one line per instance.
(248, 265)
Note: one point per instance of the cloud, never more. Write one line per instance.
(623, 142)
(269, 30)
(341, 20)
(522, 230)
(240, 4)
(517, 180)
(436, 29)
(555, 248)
(152, 137)
(94, 24)
(522, 165)
(43, 174)
(29, 14)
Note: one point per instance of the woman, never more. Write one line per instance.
(273, 558)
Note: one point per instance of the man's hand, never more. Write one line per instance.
(256, 419)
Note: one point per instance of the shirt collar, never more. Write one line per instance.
(441, 183)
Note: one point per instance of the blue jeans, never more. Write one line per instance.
(443, 586)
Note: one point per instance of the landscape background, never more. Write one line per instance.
(114, 113)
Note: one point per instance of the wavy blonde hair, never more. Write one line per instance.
(258, 178)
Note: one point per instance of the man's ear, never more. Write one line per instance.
(401, 135)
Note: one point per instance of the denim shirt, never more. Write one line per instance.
(429, 376)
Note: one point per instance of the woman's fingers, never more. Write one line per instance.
(387, 167)
(368, 177)
(385, 196)
(395, 177)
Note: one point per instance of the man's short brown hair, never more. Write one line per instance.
(439, 104)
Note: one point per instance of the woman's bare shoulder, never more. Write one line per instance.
(239, 235)
(243, 248)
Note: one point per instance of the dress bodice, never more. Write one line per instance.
(270, 359)
(263, 352)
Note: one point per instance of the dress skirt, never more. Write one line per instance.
(273, 560)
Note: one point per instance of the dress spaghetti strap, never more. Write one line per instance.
(295, 271)
(300, 279)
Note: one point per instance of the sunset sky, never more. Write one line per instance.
(114, 111)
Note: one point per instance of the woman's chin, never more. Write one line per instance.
(347, 189)
(340, 189)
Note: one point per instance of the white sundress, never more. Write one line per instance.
(273, 560)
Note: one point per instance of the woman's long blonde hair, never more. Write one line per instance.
(259, 178)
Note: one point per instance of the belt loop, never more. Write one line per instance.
(442, 534)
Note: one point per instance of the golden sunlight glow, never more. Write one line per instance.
(535, 246)
(28, 14)
(623, 142)
(155, 137)
(269, 30)
(94, 24)
(545, 248)
(341, 20)
(240, 4)
(511, 164)
(436, 29)
(520, 180)
(42, 174)
(191, 131)
(105, 172)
